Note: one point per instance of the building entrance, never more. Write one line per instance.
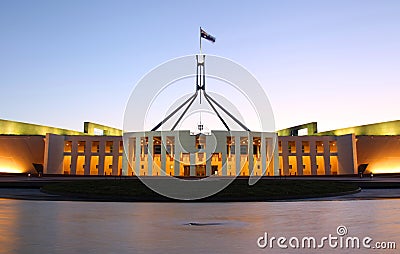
(186, 170)
(214, 170)
(200, 170)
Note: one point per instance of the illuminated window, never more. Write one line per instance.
(244, 145)
(319, 146)
(332, 147)
(280, 146)
(121, 147)
(201, 141)
(243, 149)
(95, 147)
(109, 147)
(67, 146)
(81, 146)
(292, 146)
(305, 146)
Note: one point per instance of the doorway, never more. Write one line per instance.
(186, 170)
(200, 170)
(214, 170)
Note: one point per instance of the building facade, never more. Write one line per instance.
(180, 153)
(99, 150)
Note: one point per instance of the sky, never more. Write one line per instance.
(334, 62)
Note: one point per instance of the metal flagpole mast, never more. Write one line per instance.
(200, 40)
(198, 75)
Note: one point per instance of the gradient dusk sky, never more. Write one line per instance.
(65, 62)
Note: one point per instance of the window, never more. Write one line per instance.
(243, 149)
(95, 147)
(332, 147)
(144, 146)
(121, 147)
(67, 146)
(319, 146)
(109, 146)
(157, 149)
(305, 146)
(200, 141)
(230, 149)
(243, 145)
(81, 146)
(292, 146)
(200, 156)
(156, 145)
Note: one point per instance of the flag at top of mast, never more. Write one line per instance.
(206, 36)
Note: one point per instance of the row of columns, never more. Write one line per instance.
(221, 148)
(299, 157)
(88, 154)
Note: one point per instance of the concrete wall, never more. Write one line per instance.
(54, 154)
(347, 153)
(381, 153)
(17, 153)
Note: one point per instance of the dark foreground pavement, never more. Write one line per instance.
(28, 188)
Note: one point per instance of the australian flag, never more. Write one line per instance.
(206, 36)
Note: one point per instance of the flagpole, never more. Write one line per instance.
(200, 40)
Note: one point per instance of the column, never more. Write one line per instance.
(192, 164)
(102, 151)
(285, 157)
(327, 160)
(125, 165)
(275, 159)
(137, 155)
(163, 156)
(115, 154)
(224, 156)
(237, 154)
(74, 156)
(263, 152)
(313, 154)
(88, 150)
(149, 154)
(250, 156)
(130, 155)
(177, 157)
(299, 157)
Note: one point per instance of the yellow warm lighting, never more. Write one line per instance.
(385, 165)
(385, 170)
(10, 170)
(8, 165)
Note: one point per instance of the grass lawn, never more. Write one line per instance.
(238, 190)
